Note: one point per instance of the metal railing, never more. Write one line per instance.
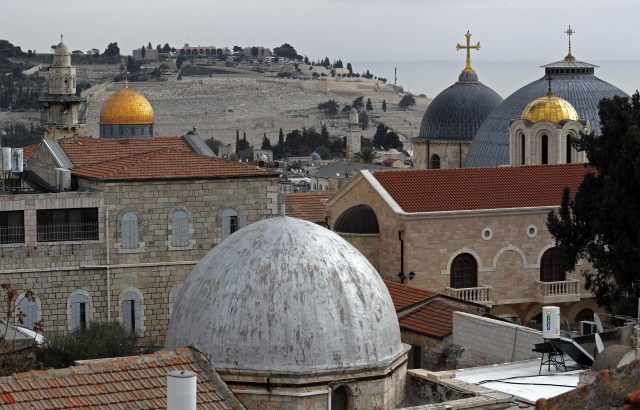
(480, 294)
(11, 234)
(86, 231)
(560, 288)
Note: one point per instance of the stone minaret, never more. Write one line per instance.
(354, 132)
(63, 113)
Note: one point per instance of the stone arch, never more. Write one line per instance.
(587, 303)
(542, 251)
(141, 308)
(461, 251)
(509, 277)
(509, 248)
(504, 310)
(70, 307)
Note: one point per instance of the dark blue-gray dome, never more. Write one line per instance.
(458, 111)
(573, 81)
(359, 219)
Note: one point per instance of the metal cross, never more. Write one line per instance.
(468, 47)
(569, 32)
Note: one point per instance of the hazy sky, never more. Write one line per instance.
(353, 30)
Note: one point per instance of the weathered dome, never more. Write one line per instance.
(62, 56)
(458, 111)
(359, 219)
(315, 156)
(573, 81)
(549, 108)
(286, 295)
(127, 107)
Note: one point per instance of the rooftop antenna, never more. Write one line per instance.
(569, 32)
(549, 93)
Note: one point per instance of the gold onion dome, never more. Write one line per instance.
(127, 107)
(550, 108)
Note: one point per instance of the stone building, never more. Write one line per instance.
(292, 329)
(63, 113)
(453, 118)
(118, 237)
(475, 234)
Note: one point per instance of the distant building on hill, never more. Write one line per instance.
(150, 54)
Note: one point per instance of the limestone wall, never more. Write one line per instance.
(497, 340)
(367, 244)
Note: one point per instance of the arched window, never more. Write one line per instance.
(435, 161)
(79, 312)
(131, 311)
(129, 228)
(232, 221)
(544, 154)
(180, 228)
(30, 309)
(551, 270)
(568, 149)
(522, 150)
(464, 272)
(340, 399)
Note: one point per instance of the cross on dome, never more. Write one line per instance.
(468, 47)
(569, 32)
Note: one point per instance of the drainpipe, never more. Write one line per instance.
(401, 274)
(108, 270)
(460, 154)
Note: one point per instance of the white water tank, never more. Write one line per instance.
(181, 390)
(17, 164)
(551, 322)
(63, 179)
(6, 159)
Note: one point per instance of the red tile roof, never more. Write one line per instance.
(147, 158)
(307, 205)
(435, 318)
(28, 150)
(138, 382)
(434, 190)
(167, 163)
(403, 295)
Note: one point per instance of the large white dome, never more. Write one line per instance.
(286, 295)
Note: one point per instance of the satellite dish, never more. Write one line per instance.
(596, 319)
(599, 344)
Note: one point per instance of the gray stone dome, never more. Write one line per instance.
(458, 111)
(285, 295)
(573, 81)
(315, 156)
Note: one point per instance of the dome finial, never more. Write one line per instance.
(61, 38)
(549, 93)
(569, 32)
(468, 47)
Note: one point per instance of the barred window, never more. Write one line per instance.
(231, 222)
(464, 272)
(11, 227)
(131, 311)
(60, 225)
(79, 312)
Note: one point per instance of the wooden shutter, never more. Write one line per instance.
(180, 228)
(129, 228)
(30, 309)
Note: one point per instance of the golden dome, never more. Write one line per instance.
(127, 107)
(550, 108)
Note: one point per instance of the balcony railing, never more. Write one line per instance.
(11, 234)
(480, 294)
(556, 292)
(87, 231)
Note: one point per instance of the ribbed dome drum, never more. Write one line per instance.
(573, 81)
(285, 295)
(458, 111)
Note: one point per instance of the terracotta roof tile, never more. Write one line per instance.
(435, 318)
(123, 383)
(307, 205)
(435, 190)
(404, 296)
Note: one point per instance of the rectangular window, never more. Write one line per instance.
(233, 224)
(11, 227)
(61, 225)
(415, 357)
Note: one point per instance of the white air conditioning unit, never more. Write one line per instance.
(588, 328)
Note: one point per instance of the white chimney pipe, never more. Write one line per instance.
(181, 390)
